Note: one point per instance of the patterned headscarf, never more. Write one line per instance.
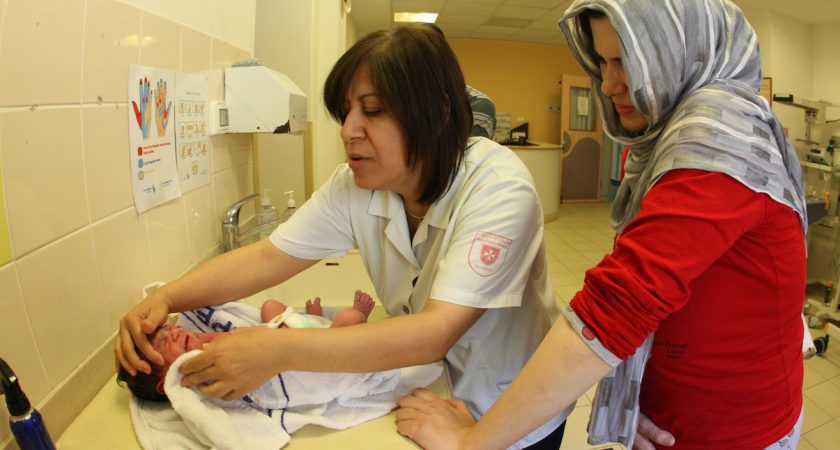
(693, 70)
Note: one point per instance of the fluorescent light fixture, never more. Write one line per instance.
(415, 17)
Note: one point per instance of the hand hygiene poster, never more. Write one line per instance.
(191, 127)
(151, 136)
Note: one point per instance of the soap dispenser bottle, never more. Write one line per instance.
(267, 213)
(26, 423)
(291, 207)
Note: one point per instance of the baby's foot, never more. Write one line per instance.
(363, 302)
(271, 309)
(314, 307)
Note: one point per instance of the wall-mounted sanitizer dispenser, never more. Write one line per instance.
(261, 100)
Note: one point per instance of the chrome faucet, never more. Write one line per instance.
(230, 224)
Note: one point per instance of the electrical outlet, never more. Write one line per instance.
(553, 107)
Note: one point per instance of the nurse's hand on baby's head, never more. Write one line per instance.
(135, 328)
(232, 367)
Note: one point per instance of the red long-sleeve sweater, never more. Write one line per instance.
(717, 271)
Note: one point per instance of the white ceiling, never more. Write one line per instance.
(536, 20)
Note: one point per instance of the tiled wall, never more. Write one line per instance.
(80, 251)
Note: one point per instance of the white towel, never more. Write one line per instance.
(281, 406)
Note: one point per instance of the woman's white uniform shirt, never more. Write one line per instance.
(480, 245)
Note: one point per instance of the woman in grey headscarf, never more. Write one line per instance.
(704, 289)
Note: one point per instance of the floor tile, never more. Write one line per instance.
(826, 437)
(826, 395)
(805, 445)
(815, 417)
(824, 367)
(812, 377)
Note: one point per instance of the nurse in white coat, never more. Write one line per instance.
(449, 229)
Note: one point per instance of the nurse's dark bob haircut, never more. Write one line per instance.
(420, 84)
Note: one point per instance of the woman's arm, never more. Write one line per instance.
(560, 371)
(241, 362)
(227, 277)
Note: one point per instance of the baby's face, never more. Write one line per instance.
(172, 342)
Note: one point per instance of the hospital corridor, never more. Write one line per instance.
(317, 221)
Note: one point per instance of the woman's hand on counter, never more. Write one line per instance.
(235, 365)
(434, 422)
(135, 328)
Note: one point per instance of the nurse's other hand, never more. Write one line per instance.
(648, 433)
(233, 366)
(135, 328)
(432, 422)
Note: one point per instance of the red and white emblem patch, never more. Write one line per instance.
(488, 253)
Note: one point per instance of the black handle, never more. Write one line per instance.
(16, 400)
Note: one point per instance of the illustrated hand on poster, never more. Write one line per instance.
(143, 113)
(161, 108)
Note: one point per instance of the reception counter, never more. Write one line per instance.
(545, 161)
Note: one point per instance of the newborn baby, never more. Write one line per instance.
(172, 342)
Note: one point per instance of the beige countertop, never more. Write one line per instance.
(106, 422)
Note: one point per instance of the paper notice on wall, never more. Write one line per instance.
(583, 105)
(151, 137)
(191, 130)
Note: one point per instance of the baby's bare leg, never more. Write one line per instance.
(363, 303)
(314, 307)
(271, 309)
(362, 306)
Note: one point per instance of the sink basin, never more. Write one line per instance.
(258, 232)
(816, 209)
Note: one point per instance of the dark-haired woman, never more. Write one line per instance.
(449, 228)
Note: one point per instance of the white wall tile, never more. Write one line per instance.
(61, 288)
(107, 160)
(195, 51)
(240, 54)
(224, 55)
(230, 150)
(82, 252)
(232, 185)
(43, 171)
(125, 262)
(39, 58)
(203, 225)
(111, 44)
(17, 343)
(167, 229)
(161, 43)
